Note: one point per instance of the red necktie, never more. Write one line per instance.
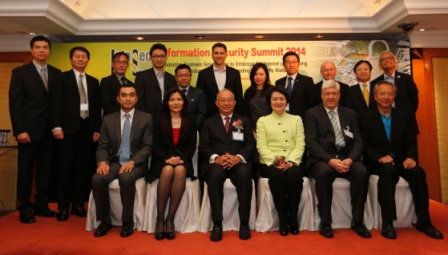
(227, 124)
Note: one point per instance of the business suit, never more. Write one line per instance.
(317, 98)
(108, 150)
(355, 99)
(75, 158)
(302, 95)
(402, 145)
(29, 107)
(406, 98)
(149, 92)
(320, 142)
(207, 82)
(214, 140)
(197, 105)
(109, 87)
(163, 147)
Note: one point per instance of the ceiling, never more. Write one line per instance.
(180, 20)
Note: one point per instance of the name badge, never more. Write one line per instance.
(348, 133)
(238, 136)
(84, 107)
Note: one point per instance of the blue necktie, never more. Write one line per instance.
(289, 86)
(125, 146)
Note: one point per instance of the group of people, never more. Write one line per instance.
(282, 132)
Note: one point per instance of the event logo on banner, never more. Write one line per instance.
(242, 55)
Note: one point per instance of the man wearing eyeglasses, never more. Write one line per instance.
(152, 84)
(111, 84)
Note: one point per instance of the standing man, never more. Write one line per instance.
(76, 119)
(220, 76)
(328, 71)
(360, 96)
(111, 84)
(29, 108)
(197, 106)
(334, 143)
(226, 146)
(153, 83)
(391, 152)
(120, 157)
(300, 87)
(406, 98)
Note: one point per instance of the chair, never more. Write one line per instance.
(267, 218)
(403, 200)
(116, 206)
(341, 208)
(187, 215)
(231, 219)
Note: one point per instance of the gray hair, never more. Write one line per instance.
(330, 84)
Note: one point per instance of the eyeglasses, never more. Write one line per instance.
(121, 62)
(386, 58)
(158, 56)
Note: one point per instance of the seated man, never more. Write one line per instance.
(334, 144)
(121, 157)
(391, 152)
(226, 144)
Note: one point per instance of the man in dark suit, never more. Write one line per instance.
(76, 119)
(29, 107)
(119, 156)
(335, 146)
(406, 98)
(111, 84)
(360, 96)
(391, 152)
(226, 145)
(328, 71)
(197, 106)
(153, 83)
(300, 87)
(218, 77)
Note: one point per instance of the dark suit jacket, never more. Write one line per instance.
(214, 139)
(320, 139)
(148, 90)
(109, 87)
(207, 82)
(163, 147)
(65, 104)
(29, 101)
(355, 99)
(141, 138)
(403, 143)
(302, 95)
(197, 105)
(317, 99)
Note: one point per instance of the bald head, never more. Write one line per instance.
(328, 70)
(388, 62)
(225, 101)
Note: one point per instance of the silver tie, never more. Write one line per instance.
(82, 96)
(340, 143)
(43, 75)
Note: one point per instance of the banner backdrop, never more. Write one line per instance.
(241, 55)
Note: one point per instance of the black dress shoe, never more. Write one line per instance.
(244, 232)
(170, 233)
(127, 229)
(27, 216)
(62, 215)
(361, 230)
(326, 231)
(283, 229)
(294, 229)
(430, 231)
(44, 211)
(216, 234)
(160, 230)
(103, 228)
(388, 230)
(79, 211)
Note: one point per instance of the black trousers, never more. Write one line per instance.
(286, 188)
(100, 190)
(240, 176)
(388, 177)
(76, 153)
(324, 176)
(35, 155)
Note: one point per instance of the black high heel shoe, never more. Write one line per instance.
(160, 230)
(170, 233)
